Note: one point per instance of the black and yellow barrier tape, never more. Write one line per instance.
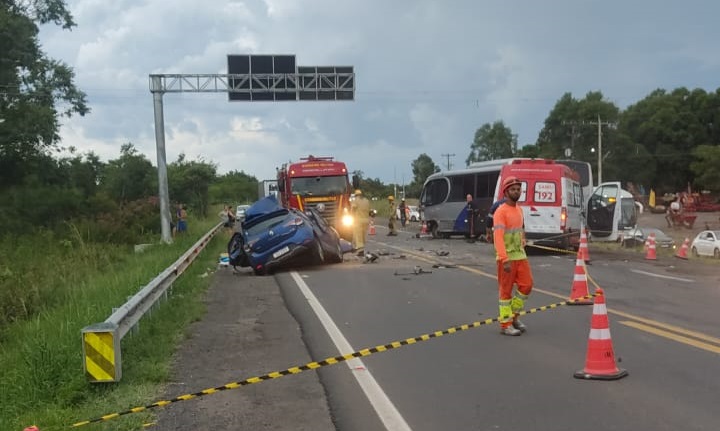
(559, 250)
(326, 362)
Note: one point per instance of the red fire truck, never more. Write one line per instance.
(321, 183)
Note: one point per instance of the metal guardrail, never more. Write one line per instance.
(102, 359)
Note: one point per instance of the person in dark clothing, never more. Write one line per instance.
(489, 220)
(472, 212)
(403, 212)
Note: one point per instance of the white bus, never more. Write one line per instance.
(443, 203)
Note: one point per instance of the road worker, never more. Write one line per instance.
(361, 214)
(512, 263)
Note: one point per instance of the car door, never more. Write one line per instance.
(708, 241)
(604, 211)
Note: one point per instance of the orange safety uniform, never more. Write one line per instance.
(509, 238)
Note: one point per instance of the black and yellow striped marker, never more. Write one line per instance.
(315, 365)
(101, 353)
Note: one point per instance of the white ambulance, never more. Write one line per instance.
(551, 200)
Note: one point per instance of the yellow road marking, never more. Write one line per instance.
(672, 336)
(640, 323)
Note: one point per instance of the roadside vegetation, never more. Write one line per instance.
(77, 285)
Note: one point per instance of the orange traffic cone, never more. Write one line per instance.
(583, 251)
(683, 251)
(600, 358)
(32, 428)
(371, 228)
(579, 284)
(650, 247)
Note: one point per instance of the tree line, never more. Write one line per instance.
(666, 141)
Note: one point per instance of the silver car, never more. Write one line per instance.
(706, 243)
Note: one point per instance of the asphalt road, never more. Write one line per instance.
(663, 317)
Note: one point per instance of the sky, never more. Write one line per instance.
(428, 73)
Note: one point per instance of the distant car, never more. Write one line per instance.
(413, 214)
(273, 237)
(706, 243)
(240, 212)
(636, 237)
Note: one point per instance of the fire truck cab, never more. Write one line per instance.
(320, 183)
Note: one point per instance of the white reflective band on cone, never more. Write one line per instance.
(600, 334)
(599, 309)
(579, 277)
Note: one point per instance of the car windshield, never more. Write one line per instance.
(319, 186)
(657, 232)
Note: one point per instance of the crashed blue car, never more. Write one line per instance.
(272, 237)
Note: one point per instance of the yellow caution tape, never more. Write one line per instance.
(326, 362)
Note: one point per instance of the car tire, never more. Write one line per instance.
(340, 256)
(717, 253)
(319, 252)
(434, 231)
(413, 218)
(695, 252)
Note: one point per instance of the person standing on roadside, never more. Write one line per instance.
(403, 212)
(361, 214)
(393, 216)
(512, 263)
(181, 215)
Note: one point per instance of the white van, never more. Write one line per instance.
(551, 201)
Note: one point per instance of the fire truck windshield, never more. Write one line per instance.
(319, 186)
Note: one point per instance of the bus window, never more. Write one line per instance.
(485, 183)
(576, 200)
(435, 192)
(461, 186)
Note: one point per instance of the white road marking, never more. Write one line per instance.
(687, 280)
(389, 415)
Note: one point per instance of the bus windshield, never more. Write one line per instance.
(319, 186)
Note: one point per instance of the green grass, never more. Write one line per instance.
(42, 381)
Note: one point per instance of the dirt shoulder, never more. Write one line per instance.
(247, 332)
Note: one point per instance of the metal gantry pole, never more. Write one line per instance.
(161, 160)
(599, 150)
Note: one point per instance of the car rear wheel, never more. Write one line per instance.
(413, 218)
(338, 257)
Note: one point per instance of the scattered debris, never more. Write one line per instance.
(370, 257)
(442, 252)
(416, 271)
(444, 266)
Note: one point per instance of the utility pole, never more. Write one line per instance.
(573, 134)
(447, 156)
(599, 124)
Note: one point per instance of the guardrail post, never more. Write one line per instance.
(101, 353)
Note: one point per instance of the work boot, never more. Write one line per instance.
(517, 324)
(392, 234)
(510, 331)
